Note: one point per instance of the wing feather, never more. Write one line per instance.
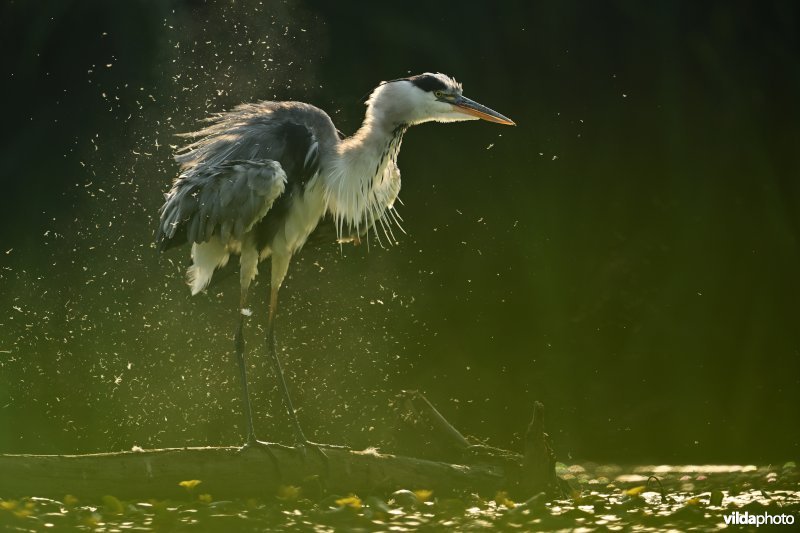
(226, 199)
(244, 168)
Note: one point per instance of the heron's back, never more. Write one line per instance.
(296, 135)
(259, 131)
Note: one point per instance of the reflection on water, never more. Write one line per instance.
(605, 497)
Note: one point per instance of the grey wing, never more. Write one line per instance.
(225, 200)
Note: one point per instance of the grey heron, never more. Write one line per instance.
(258, 179)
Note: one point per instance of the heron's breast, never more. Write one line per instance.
(304, 214)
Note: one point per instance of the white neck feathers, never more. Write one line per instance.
(364, 182)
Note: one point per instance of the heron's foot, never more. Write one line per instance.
(253, 443)
(306, 447)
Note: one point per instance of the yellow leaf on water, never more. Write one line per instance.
(14, 507)
(350, 501)
(635, 491)
(501, 498)
(288, 493)
(113, 505)
(8, 505)
(190, 484)
(423, 495)
(205, 498)
(693, 501)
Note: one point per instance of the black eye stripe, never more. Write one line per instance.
(427, 82)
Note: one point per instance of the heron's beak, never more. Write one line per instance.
(469, 107)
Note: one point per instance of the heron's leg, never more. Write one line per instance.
(280, 265)
(249, 264)
(276, 363)
(302, 443)
(238, 340)
(248, 270)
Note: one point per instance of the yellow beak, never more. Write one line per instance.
(470, 107)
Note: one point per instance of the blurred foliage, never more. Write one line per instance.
(628, 254)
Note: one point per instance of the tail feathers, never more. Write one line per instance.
(206, 258)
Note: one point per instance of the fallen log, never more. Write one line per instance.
(228, 472)
(423, 432)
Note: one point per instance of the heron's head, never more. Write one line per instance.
(425, 98)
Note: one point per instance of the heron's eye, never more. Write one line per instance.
(439, 94)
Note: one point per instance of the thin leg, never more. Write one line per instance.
(239, 346)
(302, 442)
(280, 264)
(276, 365)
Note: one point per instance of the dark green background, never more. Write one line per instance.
(628, 254)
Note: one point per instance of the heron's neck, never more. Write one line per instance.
(376, 142)
(357, 187)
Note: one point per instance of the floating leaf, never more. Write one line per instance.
(423, 495)
(501, 498)
(19, 511)
(113, 505)
(350, 501)
(190, 484)
(8, 505)
(635, 492)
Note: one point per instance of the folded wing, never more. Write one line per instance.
(225, 200)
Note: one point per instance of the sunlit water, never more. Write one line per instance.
(605, 497)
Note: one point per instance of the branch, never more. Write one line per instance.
(260, 470)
